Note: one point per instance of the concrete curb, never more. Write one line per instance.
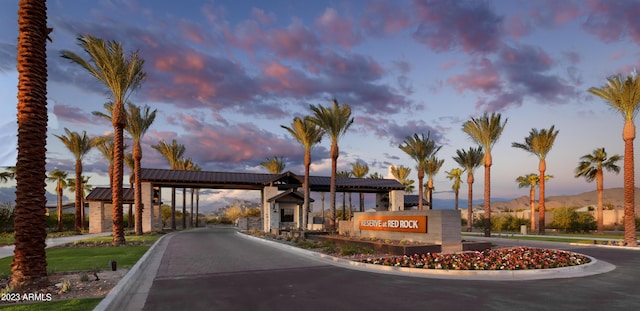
(123, 296)
(592, 268)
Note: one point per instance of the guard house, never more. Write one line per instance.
(100, 210)
(282, 197)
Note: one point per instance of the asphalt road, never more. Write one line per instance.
(215, 269)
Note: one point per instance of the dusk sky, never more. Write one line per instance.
(224, 75)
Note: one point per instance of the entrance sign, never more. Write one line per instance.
(413, 224)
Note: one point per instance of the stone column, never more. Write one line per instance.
(396, 200)
(147, 207)
(267, 210)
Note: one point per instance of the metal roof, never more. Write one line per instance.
(257, 181)
(104, 194)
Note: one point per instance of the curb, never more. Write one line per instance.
(118, 297)
(592, 268)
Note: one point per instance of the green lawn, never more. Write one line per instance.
(63, 305)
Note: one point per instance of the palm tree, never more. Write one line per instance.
(60, 178)
(623, 95)
(401, 173)
(308, 134)
(539, 142)
(194, 167)
(591, 168)
(29, 267)
(531, 180)
(79, 145)
(375, 175)
(359, 170)
(71, 183)
(274, 165)
(173, 153)
(139, 121)
(470, 160)
(486, 131)
(455, 175)
(121, 75)
(419, 148)
(335, 121)
(432, 166)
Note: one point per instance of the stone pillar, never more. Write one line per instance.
(147, 207)
(382, 201)
(96, 217)
(269, 213)
(396, 200)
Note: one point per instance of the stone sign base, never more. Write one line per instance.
(442, 227)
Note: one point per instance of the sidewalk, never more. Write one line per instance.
(7, 251)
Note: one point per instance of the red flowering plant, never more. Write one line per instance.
(518, 258)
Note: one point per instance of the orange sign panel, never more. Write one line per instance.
(414, 224)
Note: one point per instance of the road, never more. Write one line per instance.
(215, 269)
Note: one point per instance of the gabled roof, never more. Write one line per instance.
(104, 194)
(412, 200)
(257, 181)
(289, 196)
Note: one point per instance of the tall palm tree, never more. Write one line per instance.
(470, 160)
(419, 148)
(29, 267)
(359, 170)
(401, 174)
(432, 167)
(71, 183)
(308, 134)
(60, 178)
(79, 145)
(539, 142)
(486, 131)
(531, 181)
(375, 175)
(139, 121)
(591, 168)
(335, 121)
(455, 175)
(173, 153)
(274, 165)
(121, 75)
(623, 95)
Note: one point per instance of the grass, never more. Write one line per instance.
(129, 238)
(63, 305)
(84, 259)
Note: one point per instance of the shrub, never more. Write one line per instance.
(7, 212)
(568, 220)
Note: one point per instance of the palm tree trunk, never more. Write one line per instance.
(420, 190)
(78, 201)
(361, 202)
(29, 267)
(532, 205)
(332, 186)
(456, 192)
(305, 187)
(59, 208)
(541, 210)
(137, 197)
(344, 206)
(629, 134)
(119, 119)
(600, 190)
(487, 194)
(430, 193)
(130, 216)
(470, 203)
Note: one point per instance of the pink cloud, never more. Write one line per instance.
(552, 13)
(385, 17)
(72, 114)
(483, 78)
(518, 26)
(333, 28)
(446, 25)
(262, 17)
(613, 20)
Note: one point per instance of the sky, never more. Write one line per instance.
(225, 75)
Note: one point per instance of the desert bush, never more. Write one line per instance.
(7, 212)
(568, 220)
